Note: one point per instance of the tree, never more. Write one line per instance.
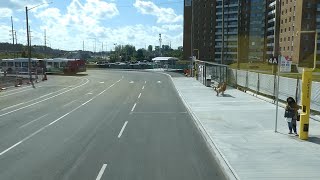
(23, 54)
(140, 55)
(150, 48)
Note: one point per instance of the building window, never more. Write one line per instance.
(288, 48)
(292, 38)
(289, 29)
(308, 26)
(282, 12)
(281, 30)
(289, 19)
(282, 21)
(285, 29)
(308, 5)
(286, 11)
(285, 20)
(284, 39)
(288, 38)
(280, 39)
(291, 48)
(290, 9)
(286, 1)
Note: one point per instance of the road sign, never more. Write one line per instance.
(273, 60)
(285, 64)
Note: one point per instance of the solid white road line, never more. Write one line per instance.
(43, 100)
(122, 129)
(139, 96)
(142, 87)
(33, 121)
(31, 100)
(134, 106)
(10, 148)
(46, 126)
(103, 168)
(15, 93)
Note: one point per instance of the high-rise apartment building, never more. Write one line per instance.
(227, 31)
(297, 30)
(203, 29)
(256, 11)
(187, 29)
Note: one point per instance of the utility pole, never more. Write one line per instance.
(29, 46)
(160, 41)
(101, 49)
(15, 35)
(45, 43)
(12, 31)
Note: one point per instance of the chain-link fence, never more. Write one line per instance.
(20, 76)
(259, 83)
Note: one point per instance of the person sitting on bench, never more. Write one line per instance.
(221, 88)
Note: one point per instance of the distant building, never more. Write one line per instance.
(227, 31)
(187, 52)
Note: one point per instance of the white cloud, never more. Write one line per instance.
(20, 4)
(86, 20)
(164, 15)
(5, 12)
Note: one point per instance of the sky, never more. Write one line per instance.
(97, 23)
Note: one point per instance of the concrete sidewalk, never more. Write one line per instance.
(241, 127)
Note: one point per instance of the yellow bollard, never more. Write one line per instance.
(305, 103)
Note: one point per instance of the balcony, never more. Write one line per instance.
(231, 52)
(232, 19)
(230, 12)
(272, 20)
(232, 5)
(270, 36)
(270, 45)
(272, 12)
(270, 52)
(272, 4)
(231, 39)
(233, 26)
(271, 28)
(232, 32)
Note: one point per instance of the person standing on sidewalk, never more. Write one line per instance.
(291, 114)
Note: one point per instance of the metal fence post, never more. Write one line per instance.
(236, 78)
(247, 74)
(258, 84)
(297, 89)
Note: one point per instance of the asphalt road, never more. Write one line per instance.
(104, 125)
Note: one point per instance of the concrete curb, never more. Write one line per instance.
(217, 154)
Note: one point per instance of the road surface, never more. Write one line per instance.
(104, 125)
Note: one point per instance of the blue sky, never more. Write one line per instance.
(70, 22)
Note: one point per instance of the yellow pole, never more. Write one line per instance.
(306, 94)
(305, 103)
